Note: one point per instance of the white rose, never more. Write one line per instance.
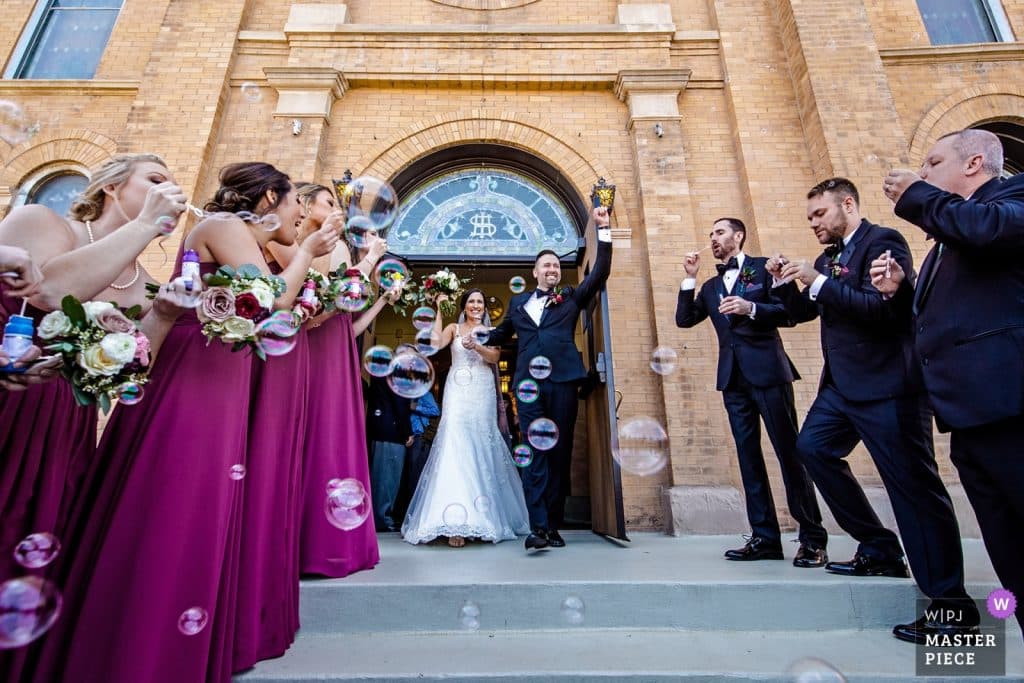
(94, 308)
(54, 324)
(96, 362)
(263, 293)
(119, 347)
(237, 328)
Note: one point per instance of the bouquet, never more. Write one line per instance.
(237, 307)
(105, 355)
(351, 291)
(446, 282)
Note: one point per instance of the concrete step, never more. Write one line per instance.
(656, 582)
(578, 655)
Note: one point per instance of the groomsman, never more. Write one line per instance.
(969, 327)
(871, 391)
(756, 378)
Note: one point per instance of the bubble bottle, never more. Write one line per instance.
(18, 334)
(307, 299)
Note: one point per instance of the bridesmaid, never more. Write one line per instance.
(155, 596)
(92, 255)
(335, 426)
(268, 585)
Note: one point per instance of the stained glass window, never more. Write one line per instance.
(493, 214)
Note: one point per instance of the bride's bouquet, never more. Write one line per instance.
(237, 308)
(444, 282)
(106, 356)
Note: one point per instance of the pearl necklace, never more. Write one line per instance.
(138, 268)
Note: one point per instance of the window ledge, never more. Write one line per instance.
(66, 86)
(966, 52)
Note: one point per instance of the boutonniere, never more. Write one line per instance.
(836, 269)
(556, 296)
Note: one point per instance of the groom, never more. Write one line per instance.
(544, 321)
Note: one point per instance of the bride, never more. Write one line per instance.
(469, 487)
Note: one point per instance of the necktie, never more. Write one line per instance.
(731, 264)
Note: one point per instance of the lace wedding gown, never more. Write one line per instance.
(469, 486)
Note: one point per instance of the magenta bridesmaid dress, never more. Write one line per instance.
(335, 449)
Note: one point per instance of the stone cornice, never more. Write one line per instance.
(68, 86)
(939, 54)
(305, 91)
(631, 81)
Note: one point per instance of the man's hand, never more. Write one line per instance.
(735, 305)
(886, 274)
(601, 218)
(775, 264)
(691, 263)
(800, 270)
(408, 442)
(897, 182)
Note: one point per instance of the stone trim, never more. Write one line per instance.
(992, 102)
(961, 54)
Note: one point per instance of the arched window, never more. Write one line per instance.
(485, 213)
(57, 190)
(1012, 137)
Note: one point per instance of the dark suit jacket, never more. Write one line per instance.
(388, 415)
(753, 345)
(865, 339)
(555, 336)
(969, 329)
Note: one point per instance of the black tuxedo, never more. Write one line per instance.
(756, 378)
(969, 334)
(871, 391)
(546, 478)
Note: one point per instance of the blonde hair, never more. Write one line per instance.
(307, 192)
(89, 205)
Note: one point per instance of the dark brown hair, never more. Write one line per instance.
(242, 186)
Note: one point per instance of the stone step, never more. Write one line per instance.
(656, 582)
(590, 654)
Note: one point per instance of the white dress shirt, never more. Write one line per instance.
(819, 281)
(728, 280)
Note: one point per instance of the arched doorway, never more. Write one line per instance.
(484, 211)
(1012, 137)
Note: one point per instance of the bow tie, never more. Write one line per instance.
(541, 294)
(731, 264)
(833, 250)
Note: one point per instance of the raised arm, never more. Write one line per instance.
(962, 223)
(503, 333)
(868, 304)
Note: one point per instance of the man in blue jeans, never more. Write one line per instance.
(389, 433)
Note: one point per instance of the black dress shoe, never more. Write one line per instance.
(919, 631)
(537, 540)
(555, 539)
(810, 556)
(862, 565)
(757, 548)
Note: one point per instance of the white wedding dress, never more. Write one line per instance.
(469, 486)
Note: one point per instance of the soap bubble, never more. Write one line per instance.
(411, 376)
(130, 393)
(237, 472)
(814, 670)
(390, 271)
(15, 127)
(427, 342)
(573, 610)
(542, 434)
(454, 515)
(377, 360)
(482, 504)
(29, 606)
(251, 92)
(270, 222)
(373, 199)
(517, 284)
(522, 455)
(643, 446)
(469, 616)
(423, 318)
(193, 620)
(276, 334)
(540, 367)
(527, 391)
(663, 360)
(36, 550)
(359, 231)
(463, 377)
(347, 505)
(354, 294)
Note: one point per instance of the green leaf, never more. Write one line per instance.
(134, 312)
(73, 309)
(249, 271)
(151, 290)
(259, 353)
(81, 398)
(104, 403)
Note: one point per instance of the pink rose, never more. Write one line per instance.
(142, 349)
(216, 304)
(113, 320)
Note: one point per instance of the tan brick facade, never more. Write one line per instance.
(757, 101)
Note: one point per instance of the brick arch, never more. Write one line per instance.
(981, 104)
(532, 134)
(73, 145)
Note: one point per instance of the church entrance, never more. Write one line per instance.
(483, 212)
